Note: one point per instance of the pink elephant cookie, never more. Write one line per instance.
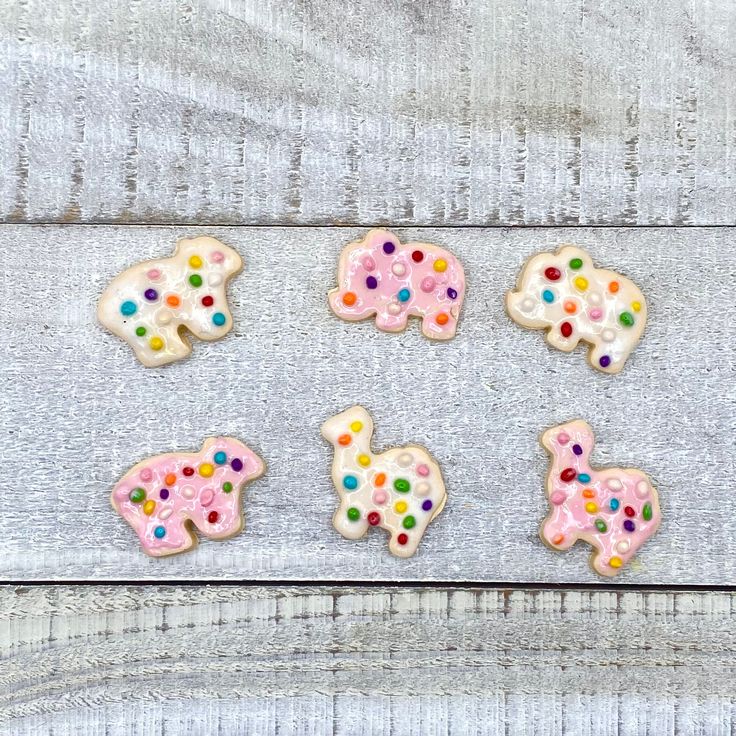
(163, 496)
(150, 304)
(378, 275)
(400, 490)
(615, 510)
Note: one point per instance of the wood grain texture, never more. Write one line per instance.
(233, 660)
(78, 410)
(396, 111)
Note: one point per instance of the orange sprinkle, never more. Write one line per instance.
(170, 479)
(349, 298)
(587, 493)
(571, 307)
(344, 439)
(380, 479)
(173, 300)
(558, 539)
(442, 319)
(613, 287)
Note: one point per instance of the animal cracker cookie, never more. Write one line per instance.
(163, 496)
(570, 298)
(150, 304)
(400, 490)
(378, 275)
(615, 510)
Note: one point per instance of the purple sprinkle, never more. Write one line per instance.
(388, 248)
(629, 525)
(237, 464)
(452, 293)
(577, 449)
(151, 295)
(371, 282)
(427, 505)
(605, 361)
(164, 493)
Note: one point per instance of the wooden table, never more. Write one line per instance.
(288, 128)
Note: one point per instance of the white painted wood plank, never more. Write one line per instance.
(470, 112)
(150, 660)
(78, 410)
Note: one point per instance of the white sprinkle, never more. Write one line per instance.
(528, 304)
(165, 514)
(163, 318)
(187, 492)
(608, 335)
(594, 298)
(215, 279)
(399, 269)
(642, 489)
(614, 484)
(622, 546)
(422, 489)
(404, 460)
(394, 309)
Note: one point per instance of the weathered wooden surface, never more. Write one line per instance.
(393, 111)
(78, 410)
(232, 660)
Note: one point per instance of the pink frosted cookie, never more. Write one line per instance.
(615, 510)
(378, 275)
(400, 490)
(163, 496)
(151, 303)
(570, 298)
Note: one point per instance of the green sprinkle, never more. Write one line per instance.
(140, 331)
(227, 486)
(646, 512)
(600, 525)
(402, 485)
(137, 495)
(409, 522)
(576, 263)
(195, 280)
(626, 319)
(353, 514)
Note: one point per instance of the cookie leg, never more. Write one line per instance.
(439, 325)
(161, 344)
(391, 322)
(553, 534)
(562, 338)
(601, 359)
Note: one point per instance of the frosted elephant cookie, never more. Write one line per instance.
(566, 295)
(162, 497)
(400, 490)
(615, 510)
(393, 281)
(152, 303)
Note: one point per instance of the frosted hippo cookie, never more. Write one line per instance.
(380, 276)
(151, 303)
(615, 510)
(162, 497)
(570, 298)
(400, 490)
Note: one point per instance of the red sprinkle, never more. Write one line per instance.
(403, 538)
(207, 301)
(552, 273)
(188, 472)
(568, 474)
(417, 256)
(212, 517)
(629, 511)
(374, 518)
(566, 329)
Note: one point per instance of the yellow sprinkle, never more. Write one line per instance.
(148, 507)
(591, 507)
(615, 562)
(581, 283)
(400, 507)
(206, 470)
(156, 343)
(440, 265)
(356, 426)
(195, 262)
(364, 460)
(636, 306)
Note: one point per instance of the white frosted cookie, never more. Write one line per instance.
(565, 294)
(151, 304)
(400, 490)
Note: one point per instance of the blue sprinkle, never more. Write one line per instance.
(128, 308)
(584, 478)
(404, 295)
(614, 504)
(350, 482)
(218, 318)
(159, 532)
(220, 458)
(548, 296)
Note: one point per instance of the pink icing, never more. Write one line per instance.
(431, 291)
(194, 499)
(612, 491)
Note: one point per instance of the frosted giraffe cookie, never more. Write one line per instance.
(566, 295)
(150, 304)
(615, 510)
(162, 497)
(400, 490)
(393, 281)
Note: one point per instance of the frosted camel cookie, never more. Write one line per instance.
(615, 510)
(151, 304)
(566, 295)
(393, 281)
(162, 497)
(400, 490)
